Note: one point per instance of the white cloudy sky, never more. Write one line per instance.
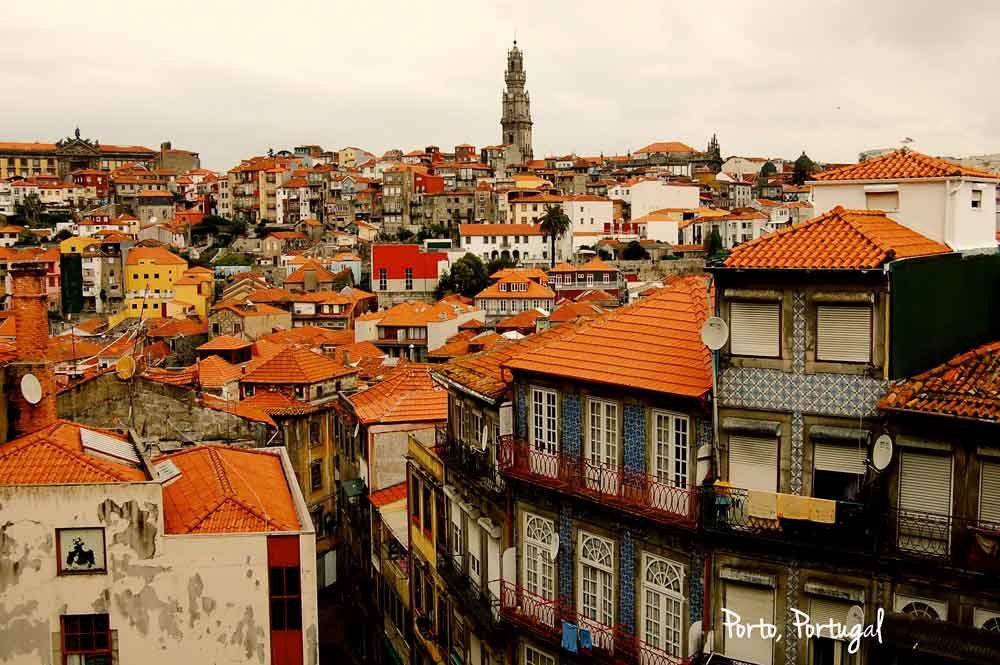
(231, 79)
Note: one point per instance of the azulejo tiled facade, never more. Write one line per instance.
(635, 437)
(626, 605)
(821, 394)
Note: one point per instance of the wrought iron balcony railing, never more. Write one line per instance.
(473, 464)
(482, 602)
(544, 618)
(630, 490)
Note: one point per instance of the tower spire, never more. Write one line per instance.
(515, 120)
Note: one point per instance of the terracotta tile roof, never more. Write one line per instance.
(294, 365)
(666, 146)
(224, 343)
(63, 348)
(572, 311)
(237, 409)
(247, 308)
(215, 372)
(475, 324)
(417, 313)
(407, 394)
(598, 295)
(311, 337)
(532, 290)
(967, 386)
(176, 327)
(54, 455)
(223, 489)
(388, 495)
(182, 376)
(526, 319)
(277, 403)
(483, 372)
(838, 240)
(157, 255)
(900, 165)
(563, 267)
(270, 295)
(299, 276)
(654, 344)
(500, 229)
(287, 235)
(464, 342)
(597, 263)
(530, 273)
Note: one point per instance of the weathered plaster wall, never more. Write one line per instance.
(171, 599)
(161, 411)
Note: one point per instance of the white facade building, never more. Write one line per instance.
(521, 242)
(646, 196)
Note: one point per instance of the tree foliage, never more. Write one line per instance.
(554, 223)
(468, 276)
(634, 252)
(713, 243)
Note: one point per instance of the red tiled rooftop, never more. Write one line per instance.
(900, 165)
(54, 455)
(224, 343)
(388, 495)
(838, 240)
(223, 489)
(295, 365)
(967, 386)
(407, 394)
(654, 344)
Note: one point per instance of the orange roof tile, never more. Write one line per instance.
(571, 311)
(526, 319)
(157, 255)
(311, 336)
(294, 365)
(417, 313)
(176, 327)
(215, 372)
(530, 273)
(598, 263)
(532, 289)
(321, 273)
(388, 495)
(465, 342)
(900, 165)
(666, 146)
(54, 455)
(246, 308)
(500, 229)
(838, 240)
(224, 343)
(407, 394)
(654, 344)
(598, 295)
(181, 376)
(222, 489)
(69, 347)
(966, 387)
(277, 403)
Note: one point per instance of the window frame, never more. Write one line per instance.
(65, 633)
(669, 596)
(670, 474)
(733, 328)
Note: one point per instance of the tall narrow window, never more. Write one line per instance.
(662, 584)
(544, 426)
(596, 599)
(409, 279)
(383, 279)
(539, 569)
(671, 446)
(602, 445)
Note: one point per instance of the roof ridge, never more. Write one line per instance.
(220, 471)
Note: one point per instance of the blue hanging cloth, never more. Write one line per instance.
(586, 641)
(569, 637)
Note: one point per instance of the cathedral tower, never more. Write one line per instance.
(516, 119)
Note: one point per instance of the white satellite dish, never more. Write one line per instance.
(554, 548)
(855, 616)
(715, 333)
(882, 452)
(31, 389)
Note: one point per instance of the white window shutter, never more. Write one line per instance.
(506, 419)
(755, 328)
(925, 483)
(989, 492)
(844, 333)
(753, 462)
(753, 604)
(839, 458)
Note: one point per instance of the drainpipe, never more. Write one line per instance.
(949, 212)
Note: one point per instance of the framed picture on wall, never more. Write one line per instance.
(80, 550)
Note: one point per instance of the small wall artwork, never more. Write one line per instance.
(81, 550)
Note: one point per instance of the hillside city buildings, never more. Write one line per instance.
(453, 404)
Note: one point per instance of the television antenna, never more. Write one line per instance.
(31, 389)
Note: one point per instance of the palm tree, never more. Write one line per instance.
(554, 224)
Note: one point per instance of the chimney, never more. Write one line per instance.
(31, 322)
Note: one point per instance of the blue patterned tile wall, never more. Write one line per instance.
(626, 586)
(566, 555)
(704, 430)
(635, 437)
(570, 424)
(696, 598)
(522, 411)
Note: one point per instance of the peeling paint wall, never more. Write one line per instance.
(171, 599)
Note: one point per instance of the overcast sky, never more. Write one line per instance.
(231, 79)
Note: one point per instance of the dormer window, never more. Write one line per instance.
(503, 287)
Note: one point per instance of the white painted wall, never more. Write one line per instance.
(171, 598)
(663, 231)
(438, 332)
(650, 195)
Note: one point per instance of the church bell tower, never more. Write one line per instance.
(516, 119)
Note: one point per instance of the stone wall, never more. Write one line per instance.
(164, 413)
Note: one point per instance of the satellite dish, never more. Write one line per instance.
(125, 367)
(715, 333)
(554, 548)
(31, 389)
(855, 616)
(483, 438)
(882, 452)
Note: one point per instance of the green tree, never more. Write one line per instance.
(405, 235)
(30, 210)
(468, 276)
(554, 224)
(26, 237)
(713, 243)
(499, 263)
(803, 169)
(634, 252)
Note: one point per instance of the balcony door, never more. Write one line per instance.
(538, 572)
(596, 601)
(661, 620)
(671, 445)
(544, 453)
(602, 446)
(925, 503)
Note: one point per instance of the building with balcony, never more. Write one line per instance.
(604, 466)
(412, 329)
(803, 518)
(571, 281)
(514, 293)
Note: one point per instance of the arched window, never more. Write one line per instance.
(596, 601)
(662, 603)
(539, 569)
(922, 610)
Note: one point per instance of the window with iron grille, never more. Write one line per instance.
(86, 639)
